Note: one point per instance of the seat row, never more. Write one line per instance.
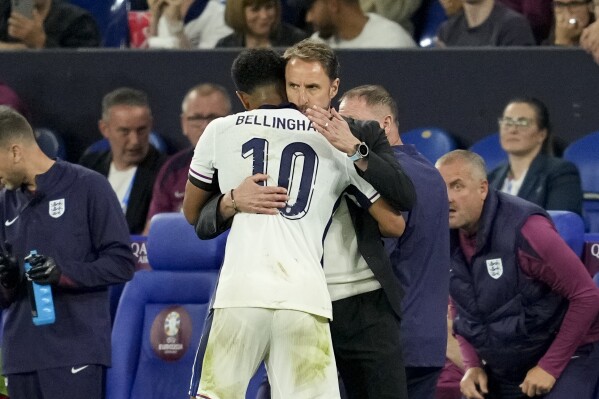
(433, 142)
(161, 312)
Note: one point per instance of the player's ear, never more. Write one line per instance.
(244, 98)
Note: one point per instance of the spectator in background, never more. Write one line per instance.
(343, 24)
(571, 18)
(531, 172)
(590, 36)
(53, 23)
(526, 311)
(538, 12)
(451, 7)
(485, 23)
(201, 105)
(131, 164)
(400, 11)
(169, 30)
(422, 269)
(257, 23)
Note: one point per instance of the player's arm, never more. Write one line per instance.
(193, 202)
(250, 197)
(391, 223)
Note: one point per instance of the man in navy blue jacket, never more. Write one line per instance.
(420, 257)
(72, 218)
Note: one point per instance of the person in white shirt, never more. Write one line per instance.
(272, 301)
(168, 29)
(343, 24)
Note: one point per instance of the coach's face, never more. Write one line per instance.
(308, 84)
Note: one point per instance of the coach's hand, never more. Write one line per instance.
(44, 270)
(334, 128)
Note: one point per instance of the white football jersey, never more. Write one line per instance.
(274, 261)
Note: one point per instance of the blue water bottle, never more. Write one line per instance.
(40, 297)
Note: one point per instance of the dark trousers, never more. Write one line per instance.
(579, 380)
(367, 346)
(422, 382)
(58, 383)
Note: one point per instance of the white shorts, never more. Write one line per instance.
(295, 346)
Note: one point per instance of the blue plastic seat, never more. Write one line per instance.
(584, 153)
(161, 313)
(50, 142)
(570, 227)
(489, 148)
(432, 142)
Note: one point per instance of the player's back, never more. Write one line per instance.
(274, 260)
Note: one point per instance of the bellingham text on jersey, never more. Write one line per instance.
(274, 122)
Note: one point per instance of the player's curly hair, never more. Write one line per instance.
(258, 67)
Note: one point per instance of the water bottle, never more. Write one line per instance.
(40, 297)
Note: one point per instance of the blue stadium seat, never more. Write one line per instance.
(432, 142)
(112, 20)
(173, 245)
(490, 149)
(584, 153)
(161, 313)
(50, 142)
(570, 227)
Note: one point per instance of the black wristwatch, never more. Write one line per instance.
(361, 152)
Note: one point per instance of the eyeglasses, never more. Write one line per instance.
(576, 3)
(519, 123)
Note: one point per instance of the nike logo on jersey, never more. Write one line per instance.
(9, 222)
(179, 194)
(78, 369)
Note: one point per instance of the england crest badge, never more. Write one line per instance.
(495, 268)
(56, 208)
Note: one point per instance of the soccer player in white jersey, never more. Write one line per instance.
(272, 301)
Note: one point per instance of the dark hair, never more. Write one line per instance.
(14, 126)
(542, 119)
(315, 50)
(124, 96)
(235, 13)
(258, 67)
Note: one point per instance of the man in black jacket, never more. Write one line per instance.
(131, 164)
